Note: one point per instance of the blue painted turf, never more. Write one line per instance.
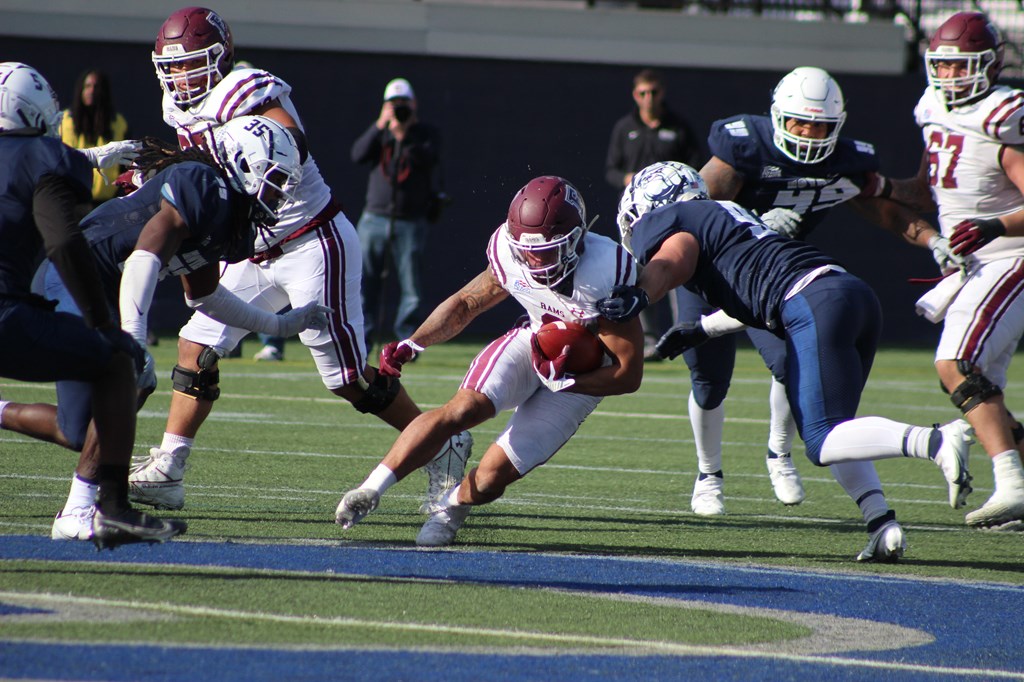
(975, 625)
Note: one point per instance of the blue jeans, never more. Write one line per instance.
(405, 248)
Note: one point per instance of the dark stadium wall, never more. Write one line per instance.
(504, 122)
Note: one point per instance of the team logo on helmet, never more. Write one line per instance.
(658, 185)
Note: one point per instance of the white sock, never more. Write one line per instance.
(707, 435)
(870, 438)
(380, 479)
(83, 494)
(452, 498)
(782, 429)
(861, 483)
(177, 445)
(1006, 467)
(3, 404)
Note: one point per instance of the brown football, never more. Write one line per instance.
(585, 351)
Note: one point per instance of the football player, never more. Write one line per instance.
(311, 255)
(543, 256)
(828, 319)
(973, 167)
(791, 167)
(198, 209)
(41, 180)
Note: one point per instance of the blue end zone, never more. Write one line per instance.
(977, 626)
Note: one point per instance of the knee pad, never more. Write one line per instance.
(709, 395)
(202, 384)
(378, 394)
(973, 391)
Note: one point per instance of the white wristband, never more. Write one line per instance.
(719, 323)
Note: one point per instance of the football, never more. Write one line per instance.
(585, 351)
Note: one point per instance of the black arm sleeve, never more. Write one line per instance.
(300, 142)
(53, 206)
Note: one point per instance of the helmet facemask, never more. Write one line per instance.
(964, 87)
(549, 262)
(807, 94)
(187, 77)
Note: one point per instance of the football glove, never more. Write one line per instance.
(396, 354)
(972, 234)
(943, 255)
(113, 153)
(310, 316)
(785, 221)
(624, 304)
(551, 372)
(681, 338)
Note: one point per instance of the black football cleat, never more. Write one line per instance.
(131, 526)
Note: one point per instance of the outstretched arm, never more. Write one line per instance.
(455, 313)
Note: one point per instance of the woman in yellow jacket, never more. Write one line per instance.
(91, 121)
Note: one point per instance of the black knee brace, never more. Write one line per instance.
(975, 389)
(378, 394)
(202, 384)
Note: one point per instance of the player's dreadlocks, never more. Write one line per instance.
(157, 155)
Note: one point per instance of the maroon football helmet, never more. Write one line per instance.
(193, 52)
(968, 40)
(547, 221)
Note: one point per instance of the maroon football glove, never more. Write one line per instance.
(972, 234)
(551, 370)
(396, 354)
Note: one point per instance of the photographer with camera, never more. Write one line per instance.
(401, 202)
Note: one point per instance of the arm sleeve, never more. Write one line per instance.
(53, 207)
(138, 282)
(225, 307)
(719, 323)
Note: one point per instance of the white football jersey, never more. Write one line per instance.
(603, 265)
(964, 146)
(240, 93)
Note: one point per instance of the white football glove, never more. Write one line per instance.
(310, 316)
(113, 153)
(785, 221)
(943, 254)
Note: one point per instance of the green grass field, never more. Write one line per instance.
(274, 459)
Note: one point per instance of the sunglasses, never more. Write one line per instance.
(653, 92)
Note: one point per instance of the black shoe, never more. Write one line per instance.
(131, 526)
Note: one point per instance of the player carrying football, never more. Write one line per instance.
(545, 257)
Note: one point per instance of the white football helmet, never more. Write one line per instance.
(27, 102)
(660, 184)
(261, 160)
(809, 94)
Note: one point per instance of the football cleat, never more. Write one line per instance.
(957, 437)
(158, 480)
(443, 524)
(268, 354)
(1007, 502)
(131, 526)
(73, 525)
(447, 469)
(886, 545)
(785, 479)
(708, 499)
(355, 506)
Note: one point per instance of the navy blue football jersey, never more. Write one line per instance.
(771, 179)
(217, 229)
(24, 160)
(743, 267)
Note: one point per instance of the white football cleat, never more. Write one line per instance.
(789, 489)
(74, 525)
(708, 499)
(887, 544)
(1007, 502)
(268, 354)
(443, 524)
(354, 506)
(447, 469)
(957, 437)
(159, 480)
